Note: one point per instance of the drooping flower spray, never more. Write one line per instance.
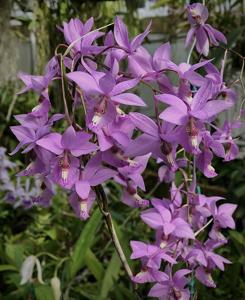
(182, 138)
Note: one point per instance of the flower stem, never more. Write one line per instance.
(105, 211)
(191, 50)
(62, 69)
(103, 205)
(201, 229)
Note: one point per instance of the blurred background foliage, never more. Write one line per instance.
(81, 254)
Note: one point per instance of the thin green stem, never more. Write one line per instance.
(191, 50)
(47, 254)
(62, 68)
(243, 88)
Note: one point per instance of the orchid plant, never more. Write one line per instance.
(183, 137)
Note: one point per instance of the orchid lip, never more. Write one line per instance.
(64, 174)
(194, 141)
(170, 159)
(96, 119)
(36, 108)
(163, 244)
(211, 168)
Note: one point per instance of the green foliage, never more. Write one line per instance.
(83, 244)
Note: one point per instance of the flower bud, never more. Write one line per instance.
(55, 284)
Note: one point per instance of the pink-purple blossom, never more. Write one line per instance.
(119, 145)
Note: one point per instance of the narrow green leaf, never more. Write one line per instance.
(94, 265)
(7, 268)
(125, 292)
(111, 275)
(84, 243)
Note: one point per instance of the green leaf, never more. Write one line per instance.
(123, 292)
(44, 292)
(15, 254)
(84, 243)
(94, 265)
(238, 237)
(52, 233)
(7, 268)
(111, 275)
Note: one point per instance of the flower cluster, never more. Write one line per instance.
(181, 137)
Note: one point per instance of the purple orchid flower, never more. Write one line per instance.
(187, 114)
(160, 218)
(148, 274)
(148, 68)
(75, 30)
(173, 288)
(219, 88)
(68, 146)
(39, 116)
(40, 164)
(159, 141)
(152, 253)
(109, 93)
(115, 134)
(122, 39)
(204, 159)
(224, 136)
(205, 34)
(92, 175)
(40, 83)
(204, 256)
(131, 197)
(223, 214)
(32, 130)
(130, 177)
(132, 172)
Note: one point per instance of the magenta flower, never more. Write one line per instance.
(224, 136)
(161, 218)
(75, 30)
(204, 159)
(219, 88)
(205, 34)
(191, 115)
(92, 175)
(32, 130)
(148, 274)
(117, 144)
(116, 134)
(173, 288)
(68, 146)
(40, 83)
(158, 141)
(108, 91)
(131, 197)
(152, 253)
(204, 256)
(148, 67)
(130, 177)
(223, 215)
(122, 38)
(200, 107)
